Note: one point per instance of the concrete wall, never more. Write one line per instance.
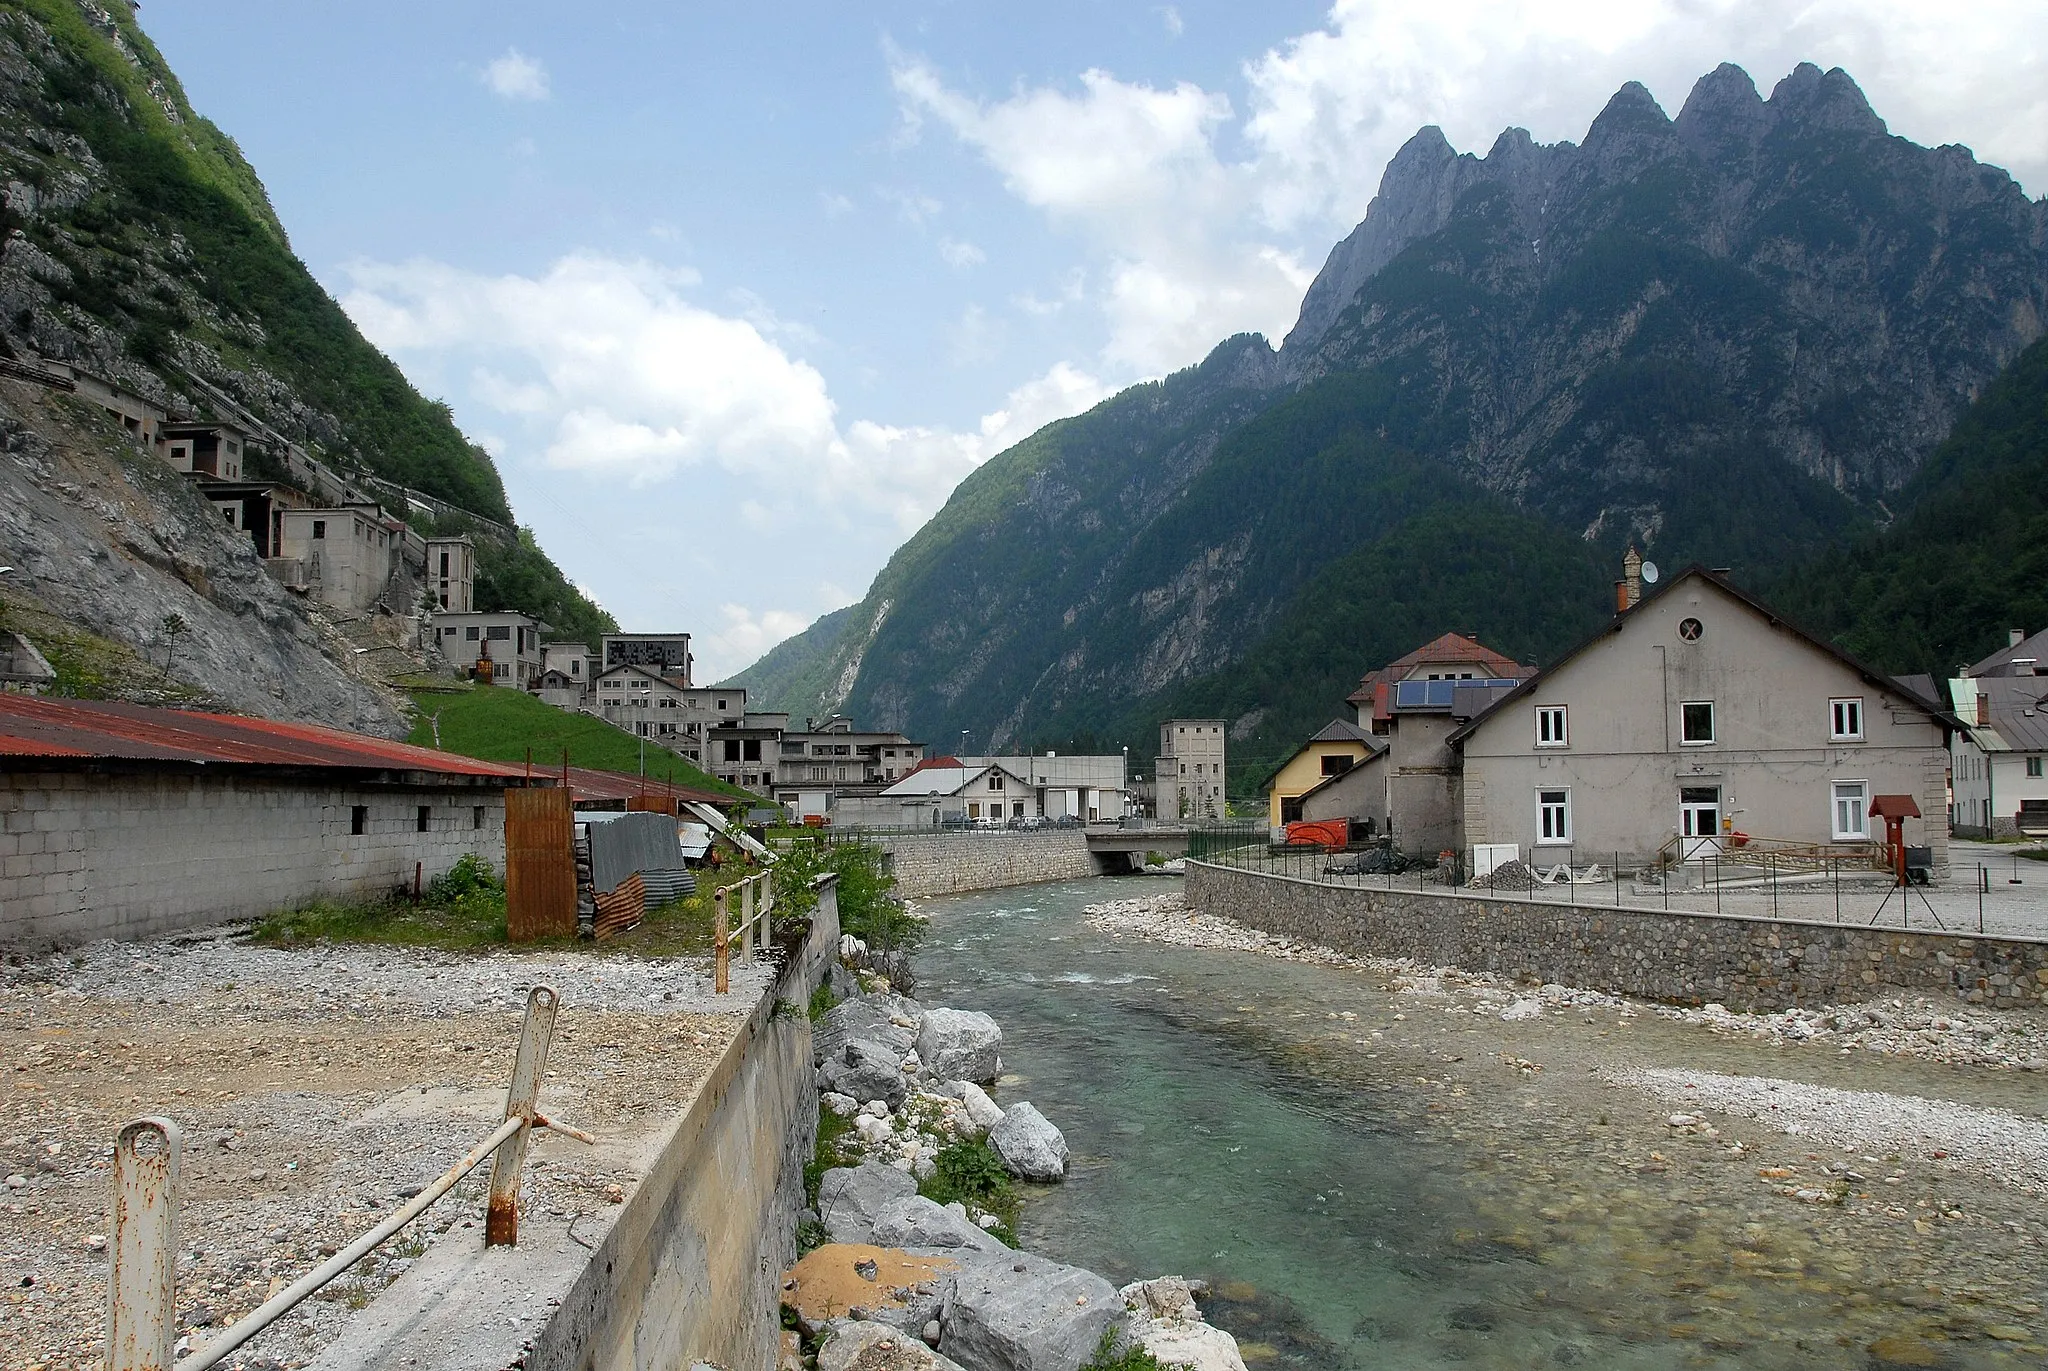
(692, 1269)
(1746, 964)
(128, 855)
(948, 863)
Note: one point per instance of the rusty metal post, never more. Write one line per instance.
(142, 1277)
(501, 1220)
(720, 977)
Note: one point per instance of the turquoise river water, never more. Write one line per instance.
(1374, 1179)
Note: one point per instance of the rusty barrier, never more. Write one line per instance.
(142, 1284)
(757, 906)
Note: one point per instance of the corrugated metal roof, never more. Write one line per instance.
(2019, 713)
(590, 786)
(32, 726)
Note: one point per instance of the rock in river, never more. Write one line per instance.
(959, 1044)
(1025, 1314)
(1028, 1144)
(883, 1018)
(850, 1198)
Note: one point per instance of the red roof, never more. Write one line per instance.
(31, 726)
(1451, 647)
(590, 786)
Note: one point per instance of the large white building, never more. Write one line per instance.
(1999, 764)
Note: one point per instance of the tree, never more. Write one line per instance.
(174, 627)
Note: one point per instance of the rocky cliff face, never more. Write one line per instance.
(1730, 336)
(136, 243)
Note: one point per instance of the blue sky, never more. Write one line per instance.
(737, 294)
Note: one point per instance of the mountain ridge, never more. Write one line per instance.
(1728, 337)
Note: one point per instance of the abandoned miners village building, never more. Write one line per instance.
(123, 821)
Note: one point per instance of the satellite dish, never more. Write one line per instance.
(1650, 573)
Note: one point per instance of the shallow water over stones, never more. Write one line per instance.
(1380, 1179)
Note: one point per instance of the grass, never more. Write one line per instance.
(495, 724)
(1110, 1357)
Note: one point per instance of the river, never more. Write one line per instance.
(1378, 1179)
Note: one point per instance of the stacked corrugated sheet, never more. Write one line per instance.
(638, 844)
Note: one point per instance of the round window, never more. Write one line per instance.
(1690, 629)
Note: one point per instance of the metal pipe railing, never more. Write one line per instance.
(757, 905)
(141, 1282)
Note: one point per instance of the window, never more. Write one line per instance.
(499, 633)
(319, 528)
(1696, 722)
(1845, 720)
(1691, 630)
(1553, 816)
(973, 810)
(476, 816)
(732, 749)
(1550, 730)
(1017, 810)
(426, 818)
(1335, 765)
(469, 634)
(750, 750)
(444, 564)
(721, 704)
(995, 780)
(1852, 810)
(2034, 766)
(358, 820)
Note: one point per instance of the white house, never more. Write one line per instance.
(1999, 764)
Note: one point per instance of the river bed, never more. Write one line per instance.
(1378, 1178)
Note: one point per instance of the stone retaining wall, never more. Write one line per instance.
(946, 863)
(1744, 963)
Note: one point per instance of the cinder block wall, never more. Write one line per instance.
(952, 863)
(1746, 964)
(86, 856)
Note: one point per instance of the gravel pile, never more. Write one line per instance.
(1513, 874)
(361, 978)
(1993, 1142)
(1899, 1027)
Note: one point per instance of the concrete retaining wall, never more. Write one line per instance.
(1746, 964)
(949, 863)
(692, 1269)
(131, 855)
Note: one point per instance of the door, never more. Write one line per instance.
(1699, 821)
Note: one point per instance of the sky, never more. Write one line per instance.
(736, 295)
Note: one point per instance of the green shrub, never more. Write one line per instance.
(971, 1173)
(1108, 1356)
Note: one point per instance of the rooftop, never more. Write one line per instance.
(100, 730)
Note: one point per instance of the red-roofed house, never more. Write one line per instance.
(123, 821)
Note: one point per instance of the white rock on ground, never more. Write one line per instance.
(959, 1044)
(887, 1019)
(866, 1071)
(1025, 1314)
(1028, 1145)
(982, 1112)
(1165, 1320)
(849, 1198)
(915, 1221)
(866, 1346)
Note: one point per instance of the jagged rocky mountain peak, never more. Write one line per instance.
(1724, 112)
(1829, 100)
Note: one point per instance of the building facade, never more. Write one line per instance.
(1336, 748)
(664, 654)
(1696, 722)
(1999, 762)
(450, 573)
(1189, 776)
(509, 639)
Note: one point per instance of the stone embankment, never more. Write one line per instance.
(949, 863)
(907, 1282)
(1900, 1026)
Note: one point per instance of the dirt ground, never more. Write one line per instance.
(316, 1089)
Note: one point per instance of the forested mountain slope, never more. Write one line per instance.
(1733, 336)
(136, 241)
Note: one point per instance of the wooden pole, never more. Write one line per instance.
(720, 979)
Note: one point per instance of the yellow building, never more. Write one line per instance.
(1334, 750)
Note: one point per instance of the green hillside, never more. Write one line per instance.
(493, 724)
(166, 263)
(1968, 557)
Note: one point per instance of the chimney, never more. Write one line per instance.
(1628, 591)
(1983, 710)
(2015, 636)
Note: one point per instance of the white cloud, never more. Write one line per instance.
(1169, 16)
(747, 633)
(515, 76)
(1192, 243)
(960, 254)
(835, 205)
(605, 368)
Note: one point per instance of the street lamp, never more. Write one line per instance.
(963, 740)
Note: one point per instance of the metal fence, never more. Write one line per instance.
(1972, 897)
(756, 908)
(142, 1278)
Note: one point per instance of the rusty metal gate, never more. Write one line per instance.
(540, 864)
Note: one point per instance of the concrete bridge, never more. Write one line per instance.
(1117, 849)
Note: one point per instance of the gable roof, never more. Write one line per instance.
(628, 669)
(1870, 674)
(1335, 731)
(1449, 647)
(2018, 711)
(1348, 774)
(1996, 664)
(928, 780)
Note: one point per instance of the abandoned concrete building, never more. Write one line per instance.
(450, 573)
(123, 821)
(510, 639)
(1188, 770)
(664, 654)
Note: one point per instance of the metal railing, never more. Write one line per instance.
(142, 1279)
(757, 908)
